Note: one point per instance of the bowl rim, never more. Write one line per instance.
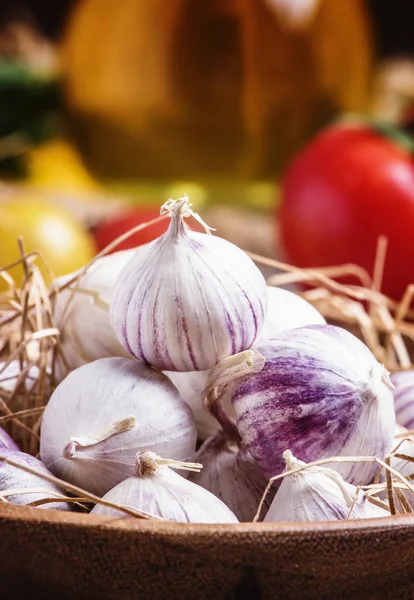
(9, 512)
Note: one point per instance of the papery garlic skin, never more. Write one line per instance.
(230, 473)
(163, 493)
(404, 397)
(191, 386)
(13, 478)
(82, 312)
(321, 393)
(188, 299)
(318, 494)
(102, 395)
(286, 310)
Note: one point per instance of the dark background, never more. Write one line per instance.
(393, 20)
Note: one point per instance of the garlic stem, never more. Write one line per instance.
(291, 461)
(181, 208)
(234, 367)
(148, 463)
(178, 464)
(220, 376)
(77, 443)
(385, 378)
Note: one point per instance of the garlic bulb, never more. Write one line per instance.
(13, 478)
(103, 413)
(230, 473)
(156, 489)
(188, 299)
(286, 310)
(6, 441)
(404, 397)
(82, 312)
(403, 465)
(191, 386)
(321, 393)
(318, 494)
(10, 374)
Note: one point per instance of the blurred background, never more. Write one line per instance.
(109, 108)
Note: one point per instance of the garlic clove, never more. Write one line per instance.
(158, 490)
(404, 397)
(81, 310)
(286, 310)
(103, 413)
(318, 494)
(230, 473)
(321, 393)
(188, 299)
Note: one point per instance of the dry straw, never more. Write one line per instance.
(28, 335)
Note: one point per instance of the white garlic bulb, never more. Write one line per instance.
(103, 413)
(82, 312)
(27, 487)
(9, 376)
(286, 310)
(404, 466)
(157, 490)
(188, 299)
(191, 386)
(318, 494)
(230, 473)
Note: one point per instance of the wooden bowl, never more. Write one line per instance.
(51, 554)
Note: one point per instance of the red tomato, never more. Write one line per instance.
(109, 230)
(350, 185)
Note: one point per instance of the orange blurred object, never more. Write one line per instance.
(62, 242)
(205, 89)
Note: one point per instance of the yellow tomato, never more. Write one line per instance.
(63, 243)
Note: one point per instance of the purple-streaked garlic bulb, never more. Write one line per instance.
(318, 494)
(103, 413)
(286, 310)
(6, 441)
(188, 299)
(81, 311)
(191, 386)
(404, 397)
(230, 473)
(157, 489)
(320, 393)
(29, 487)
